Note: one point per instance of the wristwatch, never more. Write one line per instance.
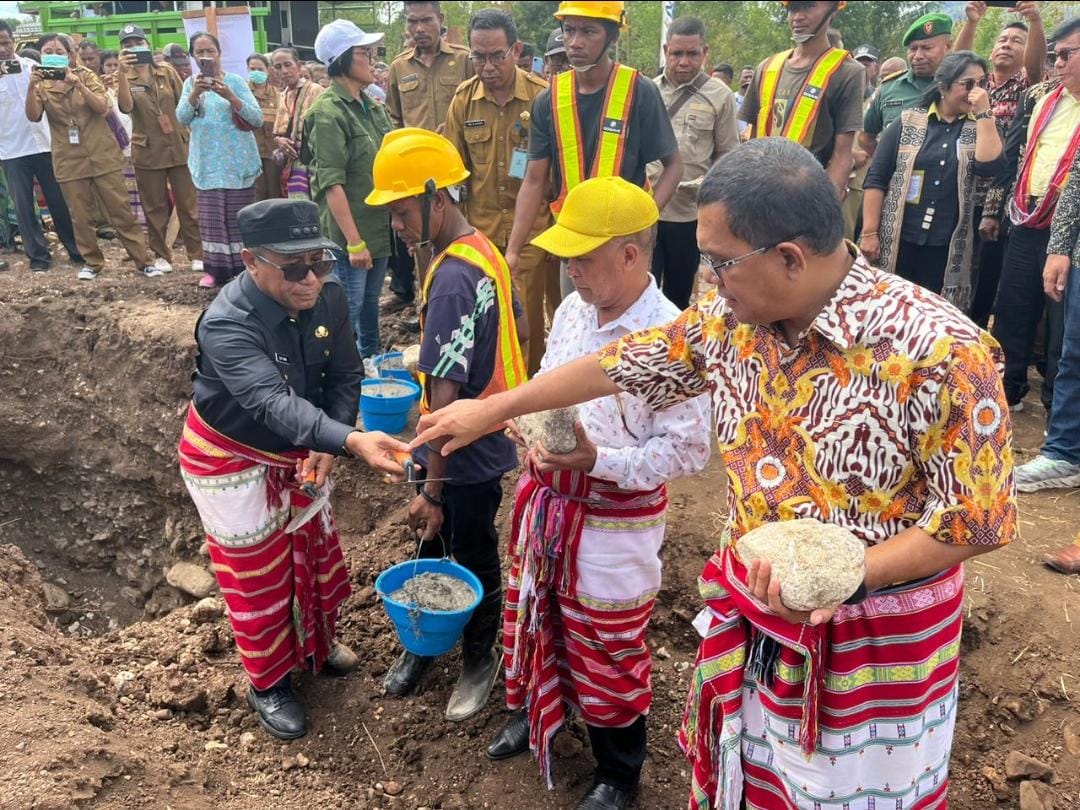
(984, 115)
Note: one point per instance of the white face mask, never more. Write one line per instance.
(799, 39)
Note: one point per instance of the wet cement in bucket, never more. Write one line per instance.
(435, 591)
(387, 388)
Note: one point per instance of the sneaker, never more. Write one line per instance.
(197, 266)
(88, 274)
(4, 266)
(1046, 473)
(152, 271)
(207, 282)
(162, 265)
(1017, 407)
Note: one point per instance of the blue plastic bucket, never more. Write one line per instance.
(426, 632)
(385, 403)
(391, 364)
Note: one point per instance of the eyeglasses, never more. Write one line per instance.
(719, 267)
(297, 271)
(971, 84)
(1064, 54)
(478, 59)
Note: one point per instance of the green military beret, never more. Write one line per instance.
(928, 25)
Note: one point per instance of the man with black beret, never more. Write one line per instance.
(276, 389)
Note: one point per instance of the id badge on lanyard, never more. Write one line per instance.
(73, 135)
(519, 159)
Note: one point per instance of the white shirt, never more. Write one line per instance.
(18, 135)
(637, 448)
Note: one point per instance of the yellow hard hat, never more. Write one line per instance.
(408, 159)
(839, 6)
(612, 11)
(595, 212)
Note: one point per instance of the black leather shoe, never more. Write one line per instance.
(280, 713)
(605, 797)
(512, 739)
(405, 674)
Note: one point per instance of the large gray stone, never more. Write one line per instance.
(194, 580)
(56, 598)
(554, 429)
(818, 564)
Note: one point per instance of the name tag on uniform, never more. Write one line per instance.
(613, 125)
(280, 358)
(914, 189)
(478, 123)
(138, 88)
(896, 103)
(519, 159)
(812, 92)
(73, 135)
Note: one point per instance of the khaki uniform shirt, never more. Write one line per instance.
(486, 135)
(268, 97)
(70, 118)
(157, 96)
(419, 96)
(898, 92)
(705, 129)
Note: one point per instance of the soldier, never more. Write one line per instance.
(489, 123)
(927, 42)
(149, 93)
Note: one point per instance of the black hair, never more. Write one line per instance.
(528, 50)
(202, 35)
(107, 55)
(45, 39)
(1065, 30)
(725, 69)
(289, 50)
(493, 19)
(433, 3)
(686, 27)
(89, 44)
(763, 176)
(950, 69)
(1016, 24)
(341, 65)
(6, 26)
(260, 57)
(30, 53)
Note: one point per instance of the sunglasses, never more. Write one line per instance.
(971, 84)
(297, 271)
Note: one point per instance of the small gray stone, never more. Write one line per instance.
(554, 429)
(56, 598)
(207, 610)
(818, 564)
(1019, 765)
(193, 580)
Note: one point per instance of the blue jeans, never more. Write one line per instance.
(1063, 435)
(363, 288)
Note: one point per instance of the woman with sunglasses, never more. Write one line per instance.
(920, 192)
(343, 131)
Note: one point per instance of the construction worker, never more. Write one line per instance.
(811, 94)
(489, 124)
(598, 119)
(469, 349)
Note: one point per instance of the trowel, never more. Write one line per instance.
(405, 460)
(320, 499)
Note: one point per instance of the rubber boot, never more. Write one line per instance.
(480, 660)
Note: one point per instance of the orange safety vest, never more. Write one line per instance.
(479, 251)
(614, 129)
(799, 123)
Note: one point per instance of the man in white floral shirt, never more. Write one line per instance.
(589, 523)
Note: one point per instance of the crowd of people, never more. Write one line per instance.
(551, 214)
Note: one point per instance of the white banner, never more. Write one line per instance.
(668, 16)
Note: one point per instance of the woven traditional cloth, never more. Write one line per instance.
(221, 240)
(282, 591)
(560, 650)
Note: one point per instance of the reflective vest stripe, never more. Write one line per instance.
(799, 122)
(476, 250)
(611, 140)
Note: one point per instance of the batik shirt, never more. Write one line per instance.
(887, 413)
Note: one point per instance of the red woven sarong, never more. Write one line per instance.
(282, 591)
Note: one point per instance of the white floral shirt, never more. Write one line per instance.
(637, 447)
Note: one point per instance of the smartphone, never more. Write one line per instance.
(143, 56)
(51, 73)
(207, 69)
(1002, 3)
(9, 66)
(538, 65)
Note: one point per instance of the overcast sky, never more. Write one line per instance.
(9, 9)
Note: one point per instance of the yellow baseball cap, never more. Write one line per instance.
(595, 212)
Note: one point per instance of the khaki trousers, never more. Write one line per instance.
(268, 184)
(154, 187)
(536, 283)
(112, 193)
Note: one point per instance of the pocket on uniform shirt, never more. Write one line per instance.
(408, 85)
(449, 83)
(139, 139)
(478, 141)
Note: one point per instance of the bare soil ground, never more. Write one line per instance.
(125, 698)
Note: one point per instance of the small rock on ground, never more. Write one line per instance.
(1035, 796)
(194, 580)
(1019, 765)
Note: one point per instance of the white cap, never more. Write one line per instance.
(337, 37)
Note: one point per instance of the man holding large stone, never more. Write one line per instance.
(578, 626)
(800, 335)
(277, 385)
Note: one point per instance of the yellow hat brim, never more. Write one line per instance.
(567, 244)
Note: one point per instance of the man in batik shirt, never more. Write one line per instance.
(843, 394)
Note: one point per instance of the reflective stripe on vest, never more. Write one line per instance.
(611, 143)
(799, 123)
(478, 251)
